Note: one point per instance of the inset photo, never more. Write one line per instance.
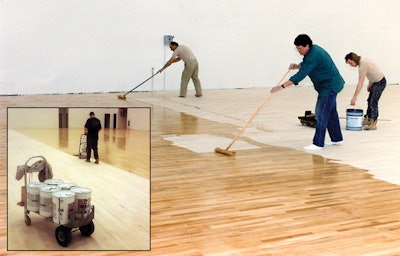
(78, 179)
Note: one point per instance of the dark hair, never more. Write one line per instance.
(91, 114)
(354, 57)
(174, 43)
(303, 40)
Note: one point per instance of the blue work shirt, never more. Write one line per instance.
(319, 66)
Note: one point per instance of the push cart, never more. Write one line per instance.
(82, 146)
(81, 219)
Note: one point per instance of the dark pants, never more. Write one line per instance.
(91, 144)
(373, 98)
(327, 118)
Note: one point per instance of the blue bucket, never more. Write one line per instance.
(354, 119)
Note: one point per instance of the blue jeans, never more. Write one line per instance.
(327, 117)
(373, 98)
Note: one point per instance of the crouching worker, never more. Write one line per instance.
(376, 85)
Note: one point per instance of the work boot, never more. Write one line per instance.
(97, 161)
(365, 120)
(371, 125)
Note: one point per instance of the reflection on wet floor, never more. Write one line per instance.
(271, 199)
(126, 149)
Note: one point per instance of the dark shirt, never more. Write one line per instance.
(319, 66)
(93, 126)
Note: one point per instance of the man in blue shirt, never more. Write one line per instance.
(318, 65)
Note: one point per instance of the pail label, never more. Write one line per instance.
(82, 200)
(46, 206)
(46, 202)
(33, 202)
(63, 206)
(354, 119)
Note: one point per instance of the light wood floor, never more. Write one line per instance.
(275, 199)
(121, 200)
(126, 149)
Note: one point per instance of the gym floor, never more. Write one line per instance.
(273, 198)
(120, 188)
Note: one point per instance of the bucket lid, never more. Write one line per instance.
(79, 190)
(63, 193)
(36, 184)
(66, 185)
(50, 188)
(53, 181)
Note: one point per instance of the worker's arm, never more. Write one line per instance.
(281, 86)
(169, 62)
(288, 82)
(360, 84)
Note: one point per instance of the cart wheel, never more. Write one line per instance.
(27, 220)
(63, 235)
(88, 229)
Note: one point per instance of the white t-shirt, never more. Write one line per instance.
(184, 53)
(370, 69)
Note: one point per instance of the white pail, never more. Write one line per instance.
(83, 197)
(54, 182)
(63, 206)
(46, 200)
(66, 186)
(354, 119)
(33, 196)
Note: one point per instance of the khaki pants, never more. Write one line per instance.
(191, 70)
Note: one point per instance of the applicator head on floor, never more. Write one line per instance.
(121, 97)
(225, 152)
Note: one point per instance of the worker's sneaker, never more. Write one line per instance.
(312, 147)
(87, 160)
(97, 161)
(371, 125)
(333, 142)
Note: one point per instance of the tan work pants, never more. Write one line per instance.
(191, 70)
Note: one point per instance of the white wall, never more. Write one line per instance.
(32, 118)
(78, 116)
(139, 119)
(70, 46)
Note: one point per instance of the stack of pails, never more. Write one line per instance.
(46, 195)
(62, 201)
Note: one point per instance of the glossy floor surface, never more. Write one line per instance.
(123, 148)
(273, 198)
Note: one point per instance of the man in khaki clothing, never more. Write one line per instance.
(191, 70)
